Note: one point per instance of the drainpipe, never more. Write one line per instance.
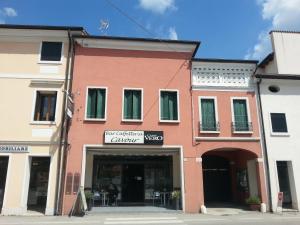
(264, 144)
(63, 132)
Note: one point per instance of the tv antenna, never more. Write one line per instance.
(104, 25)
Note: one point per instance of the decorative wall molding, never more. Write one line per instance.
(254, 139)
(224, 75)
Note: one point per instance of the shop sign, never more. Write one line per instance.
(13, 148)
(134, 137)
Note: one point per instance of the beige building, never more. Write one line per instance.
(34, 65)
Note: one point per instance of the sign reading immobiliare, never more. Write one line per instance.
(13, 148)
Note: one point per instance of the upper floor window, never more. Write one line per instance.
(51, 51)
(45, 106)
(96, 104)
(241, 117)
(132, 105)
(169, 107)
(208, 118)
(279, 124)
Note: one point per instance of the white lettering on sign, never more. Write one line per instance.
(13, 148)
(124, 137)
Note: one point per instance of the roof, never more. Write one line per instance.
(41, 27)
(167, 41)
(285, 31)
(266, 60)
(224, 60)
(278, 76)
(137, 39)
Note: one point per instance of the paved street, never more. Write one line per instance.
(160, 218)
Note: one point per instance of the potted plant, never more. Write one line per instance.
(176, 197)
(254, 203)
(89, 199)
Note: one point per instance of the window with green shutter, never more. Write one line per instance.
(132, 109)
(208, 115)
(168, 105)
(96, 103)
(241, 122)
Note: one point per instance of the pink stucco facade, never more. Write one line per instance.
(152, 71)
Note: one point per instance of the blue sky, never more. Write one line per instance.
(234, 29)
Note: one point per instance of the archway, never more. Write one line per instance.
(229, 176)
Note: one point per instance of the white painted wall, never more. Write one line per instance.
(287, 50)
(283, 148)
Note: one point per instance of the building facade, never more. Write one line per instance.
(226, 131)
(278, 81)
(131, 127)
(33, 70)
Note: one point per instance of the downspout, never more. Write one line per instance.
(66, 145)
(63, 131)
(265, 145)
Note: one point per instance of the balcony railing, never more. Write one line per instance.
(209, 127)
(241, 126)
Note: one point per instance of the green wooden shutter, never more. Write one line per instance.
(132, 104)
(91, 109)
(100, 104)
(240, 115)
(208, 118)
(168, 105)
(136, 105)
(173, 106)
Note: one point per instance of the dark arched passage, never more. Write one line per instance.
(216, 179)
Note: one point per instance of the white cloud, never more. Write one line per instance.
(9, 12)
(157, 6)
(283, 14)
(173, 34)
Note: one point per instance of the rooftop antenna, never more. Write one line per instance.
(104, 24)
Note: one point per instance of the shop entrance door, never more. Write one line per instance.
(133, 183)
(3, 172)
(216, 179)
(38, 185)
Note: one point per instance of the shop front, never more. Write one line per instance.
(123, 174)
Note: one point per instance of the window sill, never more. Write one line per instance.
(280, 134)
(132, 121)
(242, 132)
(209, 132)
(94, 120)
(169, 121)
(43, 123)
(50, 62)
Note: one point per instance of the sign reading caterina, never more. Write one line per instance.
(134, 137)
(13, 149)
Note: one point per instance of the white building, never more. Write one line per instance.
(278, 78)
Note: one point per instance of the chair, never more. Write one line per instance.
(156, 196)
(96, 197)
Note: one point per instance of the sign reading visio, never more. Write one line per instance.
(134, 137)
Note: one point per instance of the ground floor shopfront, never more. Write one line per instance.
(131, 176)
(28, 176)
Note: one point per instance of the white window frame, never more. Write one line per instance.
(34, 104)
(86, 103)
(282, 134)
(178, 107)
(142, 104)
(216, 113)
(51, 62)
(248, 114)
